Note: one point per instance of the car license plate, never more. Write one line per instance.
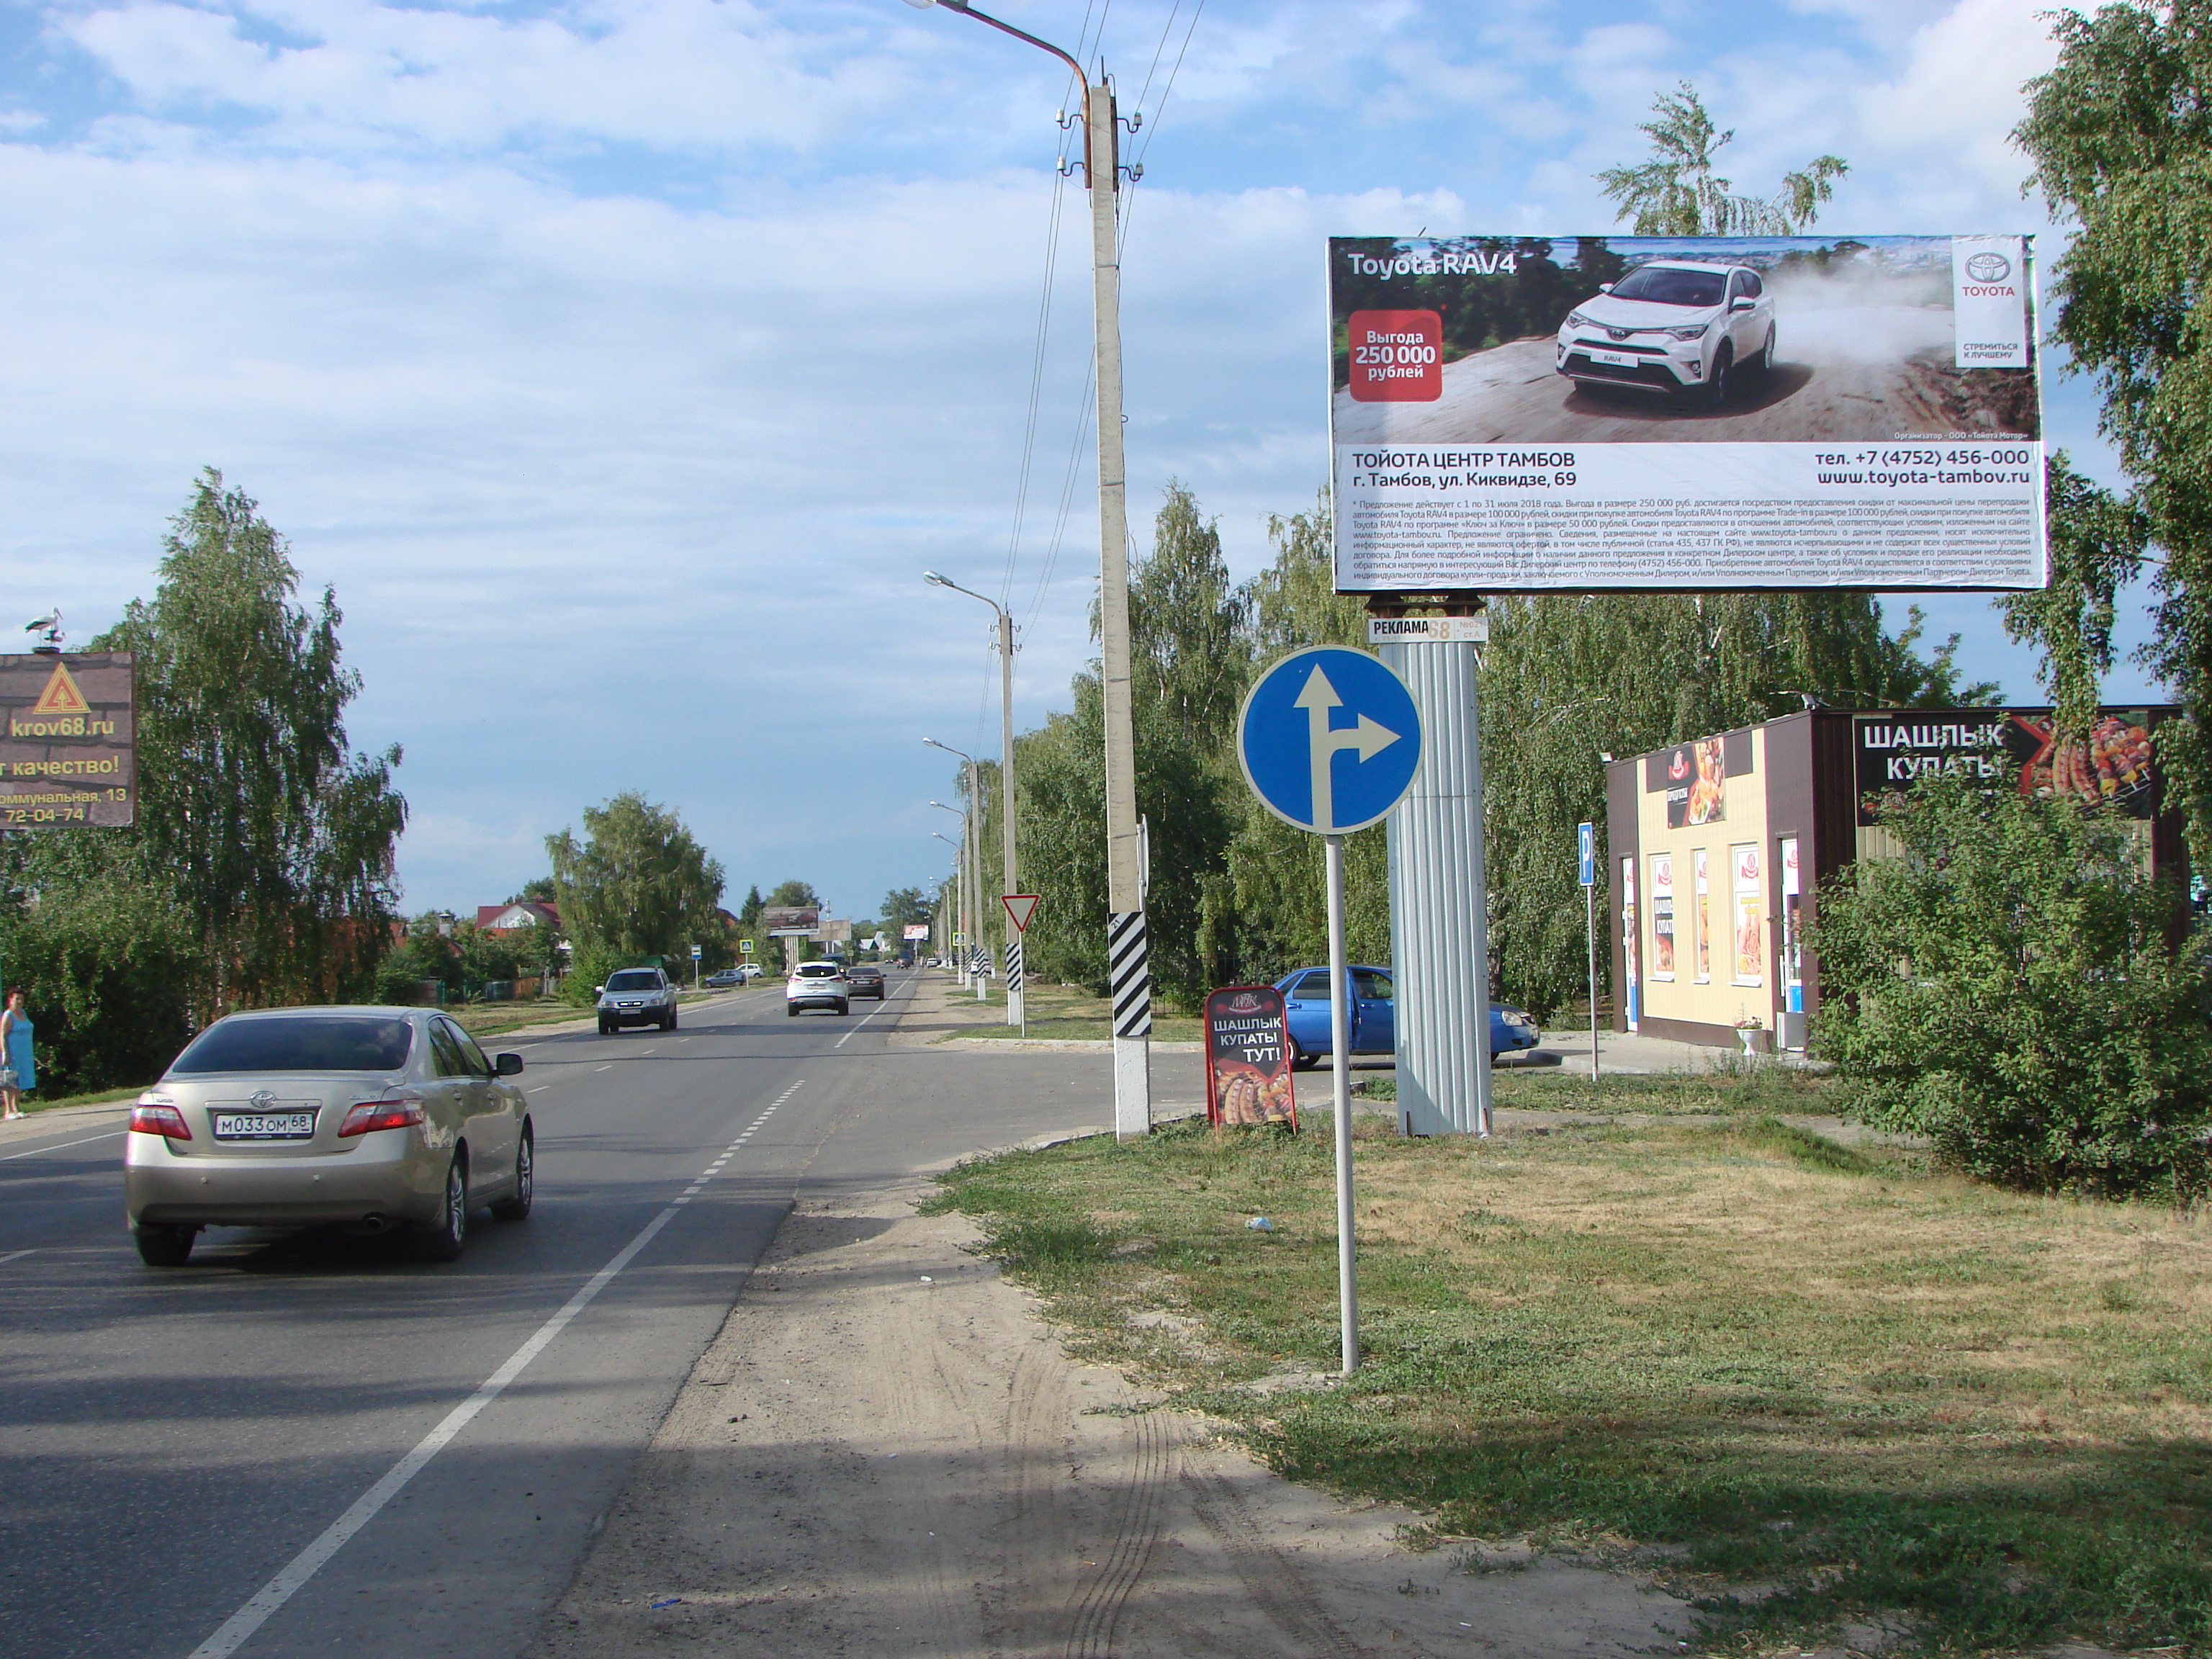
(1618, 359)
(263, 1126)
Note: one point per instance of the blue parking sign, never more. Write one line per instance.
(1586, 850)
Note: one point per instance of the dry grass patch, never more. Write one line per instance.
(1756, 1353)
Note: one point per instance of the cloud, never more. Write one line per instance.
(624, 365)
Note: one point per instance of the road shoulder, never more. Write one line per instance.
(885, 1452)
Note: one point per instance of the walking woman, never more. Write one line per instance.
(18, 1071)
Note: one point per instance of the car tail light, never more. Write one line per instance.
(158, 1117)
(392, 1112)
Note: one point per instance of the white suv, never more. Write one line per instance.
(1671, 326)
(818, 985)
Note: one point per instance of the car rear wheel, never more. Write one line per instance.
(844, 1007)
(1301, 1060)
(516, 1208)
(164, 1247)
(791, 1009)
(449, 1233)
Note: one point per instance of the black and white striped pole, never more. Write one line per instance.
(1129, 964)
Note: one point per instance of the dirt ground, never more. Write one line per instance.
(885, 1452)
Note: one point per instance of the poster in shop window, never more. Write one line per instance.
(1662, 916)
(1701, 915)
(1516, 413)
(1750, 917)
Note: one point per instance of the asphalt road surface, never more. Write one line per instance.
(1848, 372)
(171, 1440)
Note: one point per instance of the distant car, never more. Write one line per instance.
(1671, 326)
(722, 978)
(637, 996)
(1374, 1017)
(867, 980)
(372, 1119)
(749, 970)
(818, 985)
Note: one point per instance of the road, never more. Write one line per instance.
(173, 1440)
(1849, 372)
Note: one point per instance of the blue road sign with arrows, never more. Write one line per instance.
(1329, 739)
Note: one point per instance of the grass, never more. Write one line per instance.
(1067, 1011)
(98, 1097)
(1806, 1383)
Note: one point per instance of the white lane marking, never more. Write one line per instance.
(17, 1256)
(278, 1590)
(607, 1068)
(854, 1032)
(64, 1146)
(240, 1627)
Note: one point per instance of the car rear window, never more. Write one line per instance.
(636, 980)
(817, 971)
(300, 1042)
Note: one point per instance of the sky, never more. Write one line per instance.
(623, 366)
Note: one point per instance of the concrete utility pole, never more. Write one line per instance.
(971, 823)
(1128, 963)
(1008, 884)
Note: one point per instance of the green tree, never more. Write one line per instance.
(2009, 988)
(276, 842)
(788, 894)
(94, 935)
(1676, 191)
(2120, 135)
(638, 885)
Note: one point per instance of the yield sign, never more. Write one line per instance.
(1021, 906)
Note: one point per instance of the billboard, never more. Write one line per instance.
(915, 930)
(1642, 413)
(68, 753)
(790, 920)
(2116, 765)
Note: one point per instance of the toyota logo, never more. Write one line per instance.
(1989, 267)
(261, 1100)
(1619, 333)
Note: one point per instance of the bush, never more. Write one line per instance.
(2013, 988)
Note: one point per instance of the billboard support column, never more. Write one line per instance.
(1439, 921)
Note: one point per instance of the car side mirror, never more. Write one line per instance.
(1741, 302)
(599, 990)
(1604, 287)
(507, 1065)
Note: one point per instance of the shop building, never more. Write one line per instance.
(1717, 848)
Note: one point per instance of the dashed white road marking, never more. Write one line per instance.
(17, 1256)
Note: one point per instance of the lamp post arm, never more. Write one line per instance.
(967, 10)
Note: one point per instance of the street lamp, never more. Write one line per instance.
(975, 852)
(1128, 971)
(959, 896)
(1017, 1012)
(971, 884)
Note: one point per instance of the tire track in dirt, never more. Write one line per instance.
(1098, 1604)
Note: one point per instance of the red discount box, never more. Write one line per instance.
(1397, 357)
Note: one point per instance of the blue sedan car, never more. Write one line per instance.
(1374, 1017)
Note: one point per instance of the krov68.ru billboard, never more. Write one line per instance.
(1625, 412)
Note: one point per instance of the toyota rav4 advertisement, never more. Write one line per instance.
(1517, 414)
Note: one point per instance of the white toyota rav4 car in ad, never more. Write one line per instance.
(1672, 326)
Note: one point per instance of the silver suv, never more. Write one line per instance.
(636, 996)
(818, 985)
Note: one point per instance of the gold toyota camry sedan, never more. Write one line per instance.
(370, 1119)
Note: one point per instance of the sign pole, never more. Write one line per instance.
(1586, 857)
(1340, 1042)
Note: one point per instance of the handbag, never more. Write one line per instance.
(8, 1078)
